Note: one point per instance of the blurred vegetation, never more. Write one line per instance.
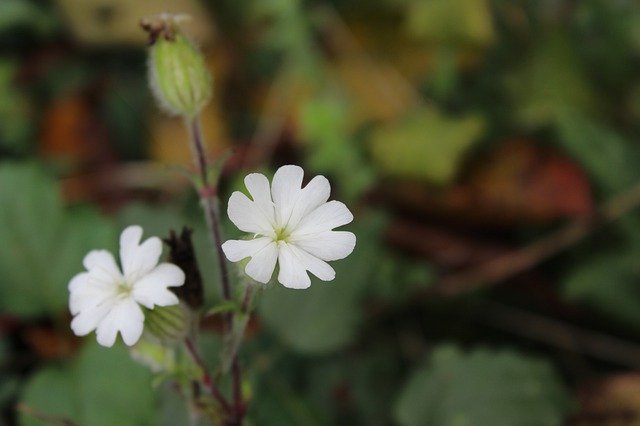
(461, 133)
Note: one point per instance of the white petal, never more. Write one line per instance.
(292, 272)
(236, 250)
(326, 217)
(258, 186)
(129, 241)
(87, 293)
(262, 263)
(125, 317)
(151, 289)
(317, 267)
(102, 266)
(248, 216)
(311, 197)
(87, 320)
(138, 259)
(285, 189)
(327, 245)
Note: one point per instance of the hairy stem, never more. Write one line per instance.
(206, 377)
(210, 205)
(209, 201)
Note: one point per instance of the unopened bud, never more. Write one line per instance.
(178, 76)
(168, 323)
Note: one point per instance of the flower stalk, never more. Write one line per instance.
(207, 190)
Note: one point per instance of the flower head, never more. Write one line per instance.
(291, 225)
(107, 299)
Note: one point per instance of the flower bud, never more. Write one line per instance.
(178, 76)
(168, 324)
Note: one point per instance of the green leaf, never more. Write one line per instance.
(15, 109)
(551, 81)
(609, 283)
(317, 320)
(278, 404)
(482, 388)
(101, 387)
(223, 307)
(332, 148)
(425, 145)
(462, 21)
(23, 13)
(43, 244)
(598, 147)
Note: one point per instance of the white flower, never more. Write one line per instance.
(107, 300)
(291, 225)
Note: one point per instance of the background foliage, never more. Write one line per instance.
(461, 133)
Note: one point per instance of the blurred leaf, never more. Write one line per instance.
(358, 389)
(549, 83)
(288, 31)
(154, 221)
(171, 410)
(467, 21)
(481, 388)
(24, 13)
(326, 316)
(332, 148)
(50, 392)
(101, 387)
(599, 148)
(425, 144)
(375, 90)
(317, 320)
(15, 109)
(277, 404)
(397, 277)
(609, 283)
(43, 244)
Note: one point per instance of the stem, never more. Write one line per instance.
(235, 366)
(206, 377)
(209, 201)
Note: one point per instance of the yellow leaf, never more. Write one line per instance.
(425, 145)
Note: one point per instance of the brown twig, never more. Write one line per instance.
(506, 266)
(560, 334)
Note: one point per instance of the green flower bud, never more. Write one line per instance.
(178, 76)
(168, 324)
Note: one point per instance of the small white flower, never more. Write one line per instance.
(107, 300)
(291, 225)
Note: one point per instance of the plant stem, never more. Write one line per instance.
(209, 200)
(206, 377)
(235, 366)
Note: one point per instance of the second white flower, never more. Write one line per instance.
(291, 225)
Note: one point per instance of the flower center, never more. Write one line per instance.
(282, 234)
(124, 290)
